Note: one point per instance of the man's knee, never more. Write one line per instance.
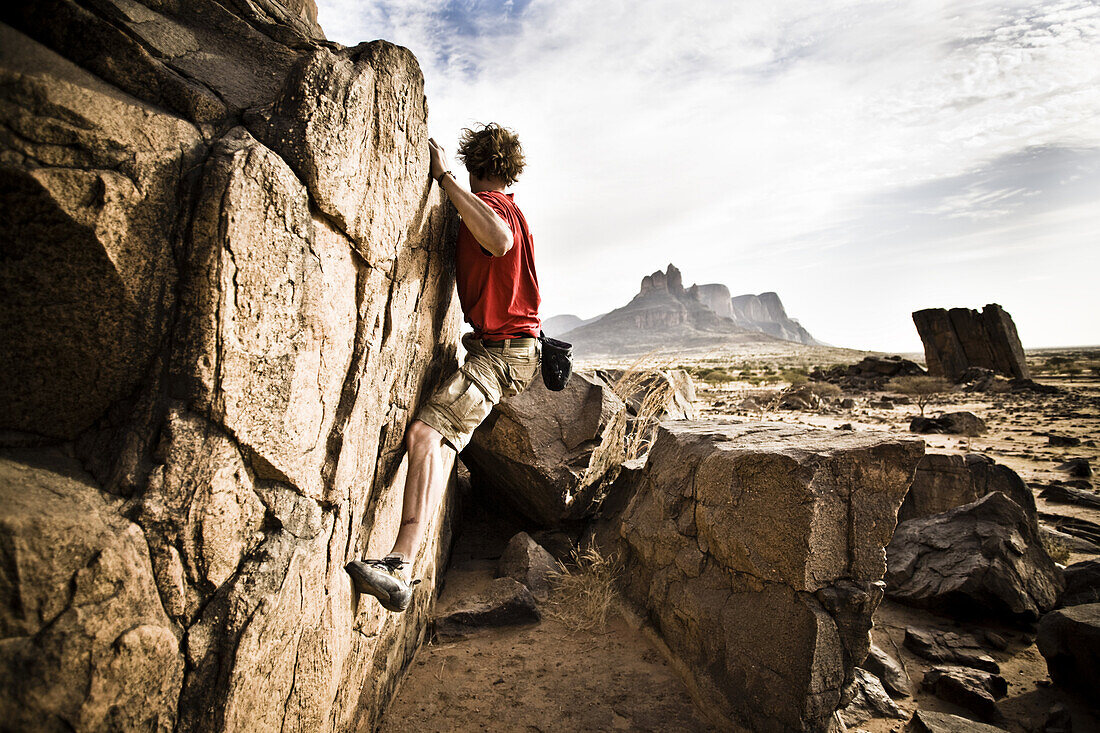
(422, 438)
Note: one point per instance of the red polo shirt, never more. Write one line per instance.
(499, 295)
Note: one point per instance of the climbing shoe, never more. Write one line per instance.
(383, 579)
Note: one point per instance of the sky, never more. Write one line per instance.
(862, 159)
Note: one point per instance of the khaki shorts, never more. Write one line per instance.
(489, 374)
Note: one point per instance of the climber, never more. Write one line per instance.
(499, 295)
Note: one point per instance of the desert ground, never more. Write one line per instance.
(571, 672)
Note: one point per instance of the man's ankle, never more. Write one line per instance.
(399, 556)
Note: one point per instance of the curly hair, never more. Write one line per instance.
(491, 151)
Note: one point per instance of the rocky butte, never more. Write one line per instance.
(666, 314)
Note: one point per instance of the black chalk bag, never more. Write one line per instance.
(557, 362)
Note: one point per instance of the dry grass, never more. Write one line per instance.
(1058, 550)
(645, 376)
(583, 595)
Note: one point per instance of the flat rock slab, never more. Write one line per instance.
(927, 721)
(756, 548)
(970, 688)
(1069, 639)
(947, 647)
(892, 675)
(505, 603)
(952, 423)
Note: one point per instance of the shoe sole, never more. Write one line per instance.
(383, 597)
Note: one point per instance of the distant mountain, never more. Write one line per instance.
(665, 314)
(765, 313)
(556, 325)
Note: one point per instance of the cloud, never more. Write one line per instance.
(764, 145)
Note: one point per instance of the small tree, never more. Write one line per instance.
(920, 388)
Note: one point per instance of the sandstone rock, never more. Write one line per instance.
(239, 371)
(755, 548)
(972, 689)
(982, 557)
(1069, 639)
(1082, 584)
(952, 423)
(869, 700)
(505, 603)
(525, 561)
(86, 643)
(551, 454)
(944, 481)
(1076, 467)
(335, 142)
(91, 183)
(928, 721)
(957, 339)
(1063, 441)
(892, 675)
(948, 647)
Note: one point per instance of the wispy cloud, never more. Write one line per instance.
(767, 145)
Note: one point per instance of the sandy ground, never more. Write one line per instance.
(547, 677)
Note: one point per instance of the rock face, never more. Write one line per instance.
(951, 423)
(551, 455)
(230, 285)
(982, 557)
(757, 550)
(960, 338)
(765, 312)
(944, 481)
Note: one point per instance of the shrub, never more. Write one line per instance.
(921, 388)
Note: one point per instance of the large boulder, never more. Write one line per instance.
(1082, 584)
(1069, 639)
(551, 455)
(91, 183)
(756, 549)
(951, 423)
(86, 642)
(960, 338)
(983, 557)
(944, 481)
(232, 362)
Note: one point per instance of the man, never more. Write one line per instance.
(499, 294)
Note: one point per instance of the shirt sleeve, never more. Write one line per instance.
(496, 205)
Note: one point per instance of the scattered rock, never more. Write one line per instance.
(1062, 493)
(847, 403)
(1063, 441)
(753, 505)
(944, 481)
(869, 700)
(1076, 467)
(959, 338)
(505, 603)
(1082, 583)
(524, 560)
(952, 423)
(889, 671)
(1072, 542)
(845, 426)
(872, 373)
(972, 689)
(801, 397)
(551, 455)
(927, 721)
(1075, 526)
(982, 557)
(1069, 639)
(948, 647)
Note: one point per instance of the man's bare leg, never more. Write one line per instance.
(429, 466)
